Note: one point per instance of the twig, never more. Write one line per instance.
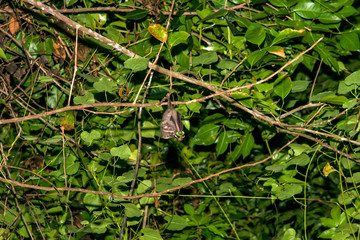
(309, 105)
(320, 142)
(75, 63)
(64, 161)
(333, 118)
(325, 134)
(232, 71)
(316, 76)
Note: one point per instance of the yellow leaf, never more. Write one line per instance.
(328, 169)
(158, 32)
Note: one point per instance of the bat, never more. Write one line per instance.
(171, 125)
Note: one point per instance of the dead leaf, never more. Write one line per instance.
(59, 50)
(14, 25)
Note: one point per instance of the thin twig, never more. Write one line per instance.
(232, 71)
(75, 63)
(316, 76)
(320, 142)
(309, 105)
(64, 159)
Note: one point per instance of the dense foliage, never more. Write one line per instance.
(268, 92)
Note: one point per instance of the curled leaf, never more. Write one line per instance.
(328, 169)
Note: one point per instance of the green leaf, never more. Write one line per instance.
(205, 58)
(319, 96)
(105, 85)
(2, 54)
(333, 99)
(347, 11)
(206, 135)
(328, 18)
(177, 38)
(72, 165)
(328, 222)
(355, 177)
(329, 233)
(122, 151)
(143, 186)
(283, 3)
(308, 9)
(215, 230)
(290, 234)
(350, 104)
(301, 160)
(45, 79)
(276, 167)
(235, 153)
(347, 197)
(55, 98)
(54, 139)
(100, 226)
(54, 210)
(353, 78)
(235, 123)
(181, 181)
(88, 77)
(150, 234)
(196, 106)
(288, 191)
(227, 64)
(183, 59)
(226, 188)
(299, 86)
(327, 56)
(255, 34)
(176, 223)
(148, 130)
(189, 209)
(23, 232)
(255, 56)
(264, 87)
(88, 98)
(92, 199)
(283, 88)
(350, 41)
(90, 137)
(247, 144)
(222, 143)
(137, 14)
(220, 13)
(131, 210)
(287, 34)
(136, 64)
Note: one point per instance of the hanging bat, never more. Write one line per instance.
(171, 125)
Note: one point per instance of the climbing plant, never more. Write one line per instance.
(267, 146)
